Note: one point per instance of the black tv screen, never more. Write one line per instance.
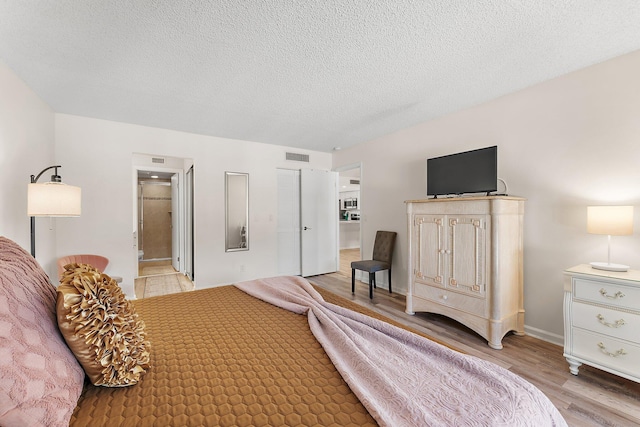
(468, 172)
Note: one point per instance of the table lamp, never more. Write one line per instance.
(612, 221)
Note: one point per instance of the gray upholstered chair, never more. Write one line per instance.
(382, 256)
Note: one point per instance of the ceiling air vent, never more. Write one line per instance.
(298, 157)
(354, 181)
(157, 160)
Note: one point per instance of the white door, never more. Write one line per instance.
(188, 252)
(175, 223)
(318, 219)
(288, 222)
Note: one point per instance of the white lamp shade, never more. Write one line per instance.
(53, 199)
(611, 220)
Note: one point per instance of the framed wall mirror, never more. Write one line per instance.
(237, 214)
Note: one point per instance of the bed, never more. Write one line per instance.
(221, 356)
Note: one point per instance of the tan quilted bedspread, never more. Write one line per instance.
(403, 379)
(222, 357)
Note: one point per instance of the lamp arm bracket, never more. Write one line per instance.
(35, 178)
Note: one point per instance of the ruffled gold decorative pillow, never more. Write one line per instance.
(101, 327)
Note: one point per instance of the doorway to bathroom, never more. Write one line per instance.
(155, 216)
(163, 226)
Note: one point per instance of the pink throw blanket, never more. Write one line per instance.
(404, 379)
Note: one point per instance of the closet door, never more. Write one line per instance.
(319, 220)
(307, 222)
(289, 222)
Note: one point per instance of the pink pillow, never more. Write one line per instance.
(40, 378)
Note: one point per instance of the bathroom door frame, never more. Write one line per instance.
(181, 207)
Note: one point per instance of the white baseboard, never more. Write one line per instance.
(544, 335)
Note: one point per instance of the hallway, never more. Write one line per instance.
(160, 278)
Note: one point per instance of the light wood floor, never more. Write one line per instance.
(593, 398)
(347, 256)
(160, 278)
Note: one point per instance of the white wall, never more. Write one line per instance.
(97, 155)
(26, 147)
(564, 144)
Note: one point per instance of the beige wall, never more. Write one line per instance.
(26, 148)
(101, 154)
(564, 144)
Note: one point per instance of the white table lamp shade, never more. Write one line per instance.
(53, 199)
(611, 220)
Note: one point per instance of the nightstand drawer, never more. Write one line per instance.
(613, 353)
(618, 324)
(607, 293)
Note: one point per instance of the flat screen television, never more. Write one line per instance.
(472, 171)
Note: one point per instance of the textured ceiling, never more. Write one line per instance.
(313, 74)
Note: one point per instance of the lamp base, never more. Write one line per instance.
(609, 267)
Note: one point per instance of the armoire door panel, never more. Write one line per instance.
(429, 261)
(467, 242)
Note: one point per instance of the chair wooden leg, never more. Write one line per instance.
(390, 281)
(372, 279)
(353, 280)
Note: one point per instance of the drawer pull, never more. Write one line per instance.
(603, 349)
(615, 324)
(617, 295)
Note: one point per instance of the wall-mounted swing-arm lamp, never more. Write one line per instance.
(52, 199)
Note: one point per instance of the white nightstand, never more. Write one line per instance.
(602, 320)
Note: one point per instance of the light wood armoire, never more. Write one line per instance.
(465, 262)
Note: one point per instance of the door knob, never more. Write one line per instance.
(307, 228)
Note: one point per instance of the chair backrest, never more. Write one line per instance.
(97, 261)
(383, 246)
